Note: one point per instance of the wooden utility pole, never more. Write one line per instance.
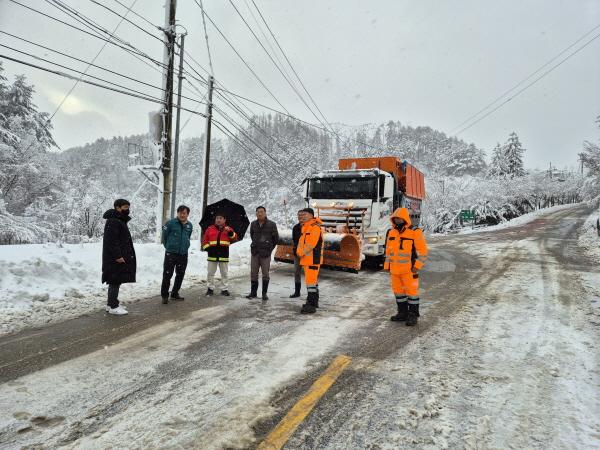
(207, 143)
(177, 121)
(166, 144)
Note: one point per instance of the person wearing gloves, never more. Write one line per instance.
(405, 256)
(216, 241)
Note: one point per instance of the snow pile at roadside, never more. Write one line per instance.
(589, 238)
(44, 283)
(521, 220)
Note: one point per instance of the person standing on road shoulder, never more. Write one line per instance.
(215, 242)
(296, 233)
(118, 254)
(405, 256)
(264, 235)
(310, 252)
(176, 236)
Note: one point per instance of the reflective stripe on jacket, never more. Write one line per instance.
(310, 245)
(404, 250)
(216, 242)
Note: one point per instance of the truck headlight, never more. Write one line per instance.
(372, 240)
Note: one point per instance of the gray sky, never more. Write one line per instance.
(426, 62)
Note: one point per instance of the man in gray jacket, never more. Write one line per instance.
(264, 235)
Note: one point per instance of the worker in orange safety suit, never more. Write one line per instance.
(405, 255)
(310, 252)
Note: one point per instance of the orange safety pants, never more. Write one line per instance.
(405, 284)
(311, 278)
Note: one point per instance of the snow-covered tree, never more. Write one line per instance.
(498, 166)
(513, 156)
(591, 160)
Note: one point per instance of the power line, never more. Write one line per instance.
(239, 128)
(243, 61)
(64, 99)
(285, 146)
(266, 39)
(276, 65)
(88, 75)
(127, 20)
(519, 92)
(136, 53)
(79, 60)
(82, 30)
(252, 122)
(71, 77)
(290, 63)
(139, 15)
(94, 26)
(244, 147)
(539, 69)
(291, 116)
(212, 72)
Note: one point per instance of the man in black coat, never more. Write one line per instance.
(264, 235)
(296, 233)
(118, 254)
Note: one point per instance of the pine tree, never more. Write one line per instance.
(498, 165)
(513, 155)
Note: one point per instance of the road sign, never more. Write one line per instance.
(465, 214)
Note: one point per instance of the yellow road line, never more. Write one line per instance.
(284, 430)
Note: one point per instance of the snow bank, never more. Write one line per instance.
(44, 283)
(589, 239)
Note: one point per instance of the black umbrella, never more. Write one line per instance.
(234, 213)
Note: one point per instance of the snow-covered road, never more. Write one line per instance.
(506, 355)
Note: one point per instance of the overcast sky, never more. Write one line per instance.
(431, 63)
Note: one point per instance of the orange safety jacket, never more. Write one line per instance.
(216, 241)
(310, 245)
(406, 250)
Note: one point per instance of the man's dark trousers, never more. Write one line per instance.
(177, 263)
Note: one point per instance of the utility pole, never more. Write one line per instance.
(169, 62)
(177, 120)
(207, 143)
(581, 160)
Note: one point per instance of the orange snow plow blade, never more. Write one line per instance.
(342, 251)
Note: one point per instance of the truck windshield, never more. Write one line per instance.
(344, 188)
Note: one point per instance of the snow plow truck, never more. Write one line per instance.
(355, 203)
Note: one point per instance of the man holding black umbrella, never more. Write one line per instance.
(216, 241)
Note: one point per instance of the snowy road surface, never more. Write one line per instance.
(506, 355)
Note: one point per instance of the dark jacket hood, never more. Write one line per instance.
(113, 214)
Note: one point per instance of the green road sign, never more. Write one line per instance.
(465, 214)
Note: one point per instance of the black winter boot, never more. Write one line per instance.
(209, 292)
(402, 312)
(309, 307)
(253, 289)
(296, 293)
(316, 300)
(176, 296)
(265, 288)
(413, 315)
(165, 299)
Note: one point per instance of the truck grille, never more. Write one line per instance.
(354, 218)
